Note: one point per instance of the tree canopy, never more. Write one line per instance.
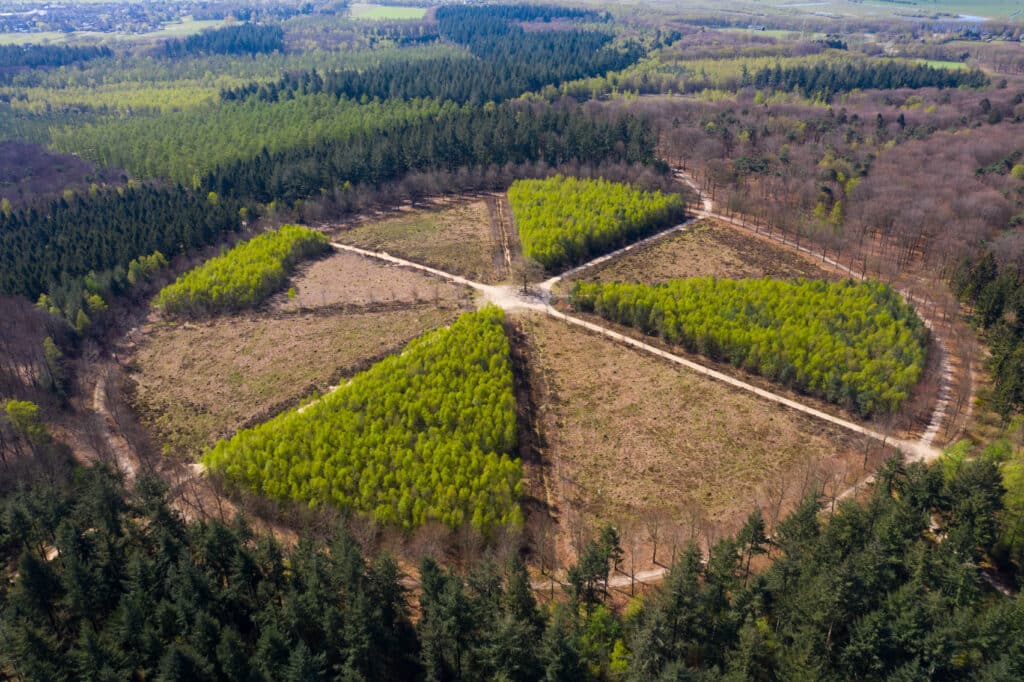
(856, 344)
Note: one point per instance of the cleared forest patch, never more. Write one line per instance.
(455, 239)
(347, 279)
(625, 435)
(706, 248)
(196, 383)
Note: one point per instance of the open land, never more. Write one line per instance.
(456, 239)
(190, 392)
(705, 249)
(625, 434)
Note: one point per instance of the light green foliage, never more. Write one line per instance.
(855, 344)
(426, 434)
(563, 221)
(143, 268)
(24, 416)
(244, 276)
(953, 458)
(386, 12)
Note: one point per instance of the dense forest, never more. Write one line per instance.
(33, 56)
(43, 246)
(855, 344)
(823, 80)
(565, 221)
(457, 137)
(243, 277)
(241, 39)
(102, 584)
(996, 295)
(424, 435)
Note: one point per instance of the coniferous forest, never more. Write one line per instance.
(116, 585)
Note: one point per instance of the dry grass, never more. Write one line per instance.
(347, 279)
(707, 248)
(456, 239)
(626, 434)
(195, 383)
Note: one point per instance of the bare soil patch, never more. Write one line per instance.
(196, 383)
(456, 239)
(347, 279)
(706, 248)
(626, 436)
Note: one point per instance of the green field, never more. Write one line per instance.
(941, 64)
(386, 12)
(185, 27)
(42, 37)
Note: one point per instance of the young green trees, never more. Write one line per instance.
(856, 344)
(245, 276)
(564, 221)
(427, 434)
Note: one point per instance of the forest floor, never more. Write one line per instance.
(707, 248)
(626, 437)
(455, 238)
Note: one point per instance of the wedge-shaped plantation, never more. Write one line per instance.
(564, 221)
(427, 434)
(245, 276)
(859, 345)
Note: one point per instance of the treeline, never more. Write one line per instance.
(824, 79)
(453, 138)
(42, 247)
(32, 56)
(499, 17)
(536, 60)
(855, 344)
(566, 221)
(424, 435)
(245, 276)
(241, 39)
(506, 61)
(118, 586)
(996, 295)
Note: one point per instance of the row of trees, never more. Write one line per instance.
(855, 344)
(565, 221)
(245, 276)
(97, 584)
(241, 39)
(427, 434)
(41, 247)
(824, 79)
